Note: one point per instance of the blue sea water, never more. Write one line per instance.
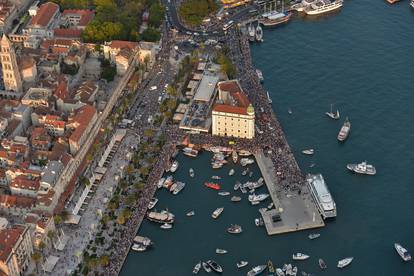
(360, 59)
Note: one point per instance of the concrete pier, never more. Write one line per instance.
(297, 211)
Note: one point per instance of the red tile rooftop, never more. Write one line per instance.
(230, 109)
(8, 238)
(86, 15)
(9, 201)
(23, 182)
(119, 44)
(67, 33)
(83, 116)
(44, 14)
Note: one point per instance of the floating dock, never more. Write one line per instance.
(297, 211)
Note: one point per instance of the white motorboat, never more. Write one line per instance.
(217, 212)
(333, 115)
(259, 197)
(246, 161)
(256, 270)
(174, 166)
(345, 262)
(160, 183)
(215, 266)
(206, 267)
(152, 203)
(258, 222)
(234, 229)
(259, 75)
(221, 251)
(279, 272)
(259, 33)
(323, 6)
(231, 172)
(234, 156)
(300, 257)
(224, 193)
(402, 252)
(242, 264)
(235, 198)
(314, 236)
(197, 268)
(143, 240)
(270, 206)
(139, 247)
(322, 264)
(166, 226)
(237, 186)
(178, 188)
(362, 168)
(162, 217)
(191, 172)
(308, 151)
(344, 131)
(290, 111)
(190, 214)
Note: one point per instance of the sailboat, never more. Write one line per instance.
(259, 33)
(332, 115)
(252, 33)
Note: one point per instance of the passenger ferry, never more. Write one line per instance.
(320, 193)
(323, 6)
(275, 18)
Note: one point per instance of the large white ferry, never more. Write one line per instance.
(323, 6)
(320, 193)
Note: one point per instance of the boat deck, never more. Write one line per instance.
(298, 212)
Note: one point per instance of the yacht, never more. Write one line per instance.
(234, 156)
(314, 236)
(224, 193)
(402, 252)
(237, 186)
(166, 226)
(152, 203)
(191, 172)
(174, 166)
(235, 198)
(258, 222)
(344, 262)
(178, 188)
(221, 251)
(231, 172)
(235, 229)
(259, 33)
(259, 75)
(215, 266)
(143, 240)
(308, 151)
(197, 268)
(333, 115)
(190, 214)
(242, 264)
(206, 267)
(323, 6)
(217, 212)
(412, 4)
(322, 264)
(345, 129)
(190, 152)
(320, 193)
(252, 32)
(271, 19)
(362, 168)
(162, 217)
(160, 183)
(300, 257)
(139, 247)
(246, 161)
(256, 270)
(259, 197)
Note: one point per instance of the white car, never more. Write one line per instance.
(152, 88)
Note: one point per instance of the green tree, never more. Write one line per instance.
(144, 171)
(58, 219)
(151, 35)
(37, 257)
(104, 260)
(194, 11)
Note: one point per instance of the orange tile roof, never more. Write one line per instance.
(230, 109)
(230, 86)
(44, 14)
(8, 201)
(119, 44)
(8, 238)
(67, 33)
(83, 116)
(23, 182)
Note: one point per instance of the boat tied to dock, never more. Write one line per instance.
(161, 217)
(321, 195)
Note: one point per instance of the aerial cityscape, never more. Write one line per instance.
(185, 137)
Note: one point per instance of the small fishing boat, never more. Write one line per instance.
(234, 156)
(139, 247)
(215, 266)
(344, 131)
(402, 252)
(322, 264)
(270, 206)
(234, 229)
(190, 214)
(216, 177)
(212, 185)
(206, 267)
(244, 172)
(242, 264)
(235, 198)
(246, 161)
(250, 174)
(221, 251)
(166, 226)
(178, 188)
(258, 222)
(259, 197)
(217, 212)
(243, 190)
(237, 186)
(345, 262)
(308, 151)
(160, 183)
(279, 272)
(174, 166)
(231, 172)
(333, 115)
(290, 111)
(314, 236)
(300, 257)
(191, 172)
(256, 270)
(224, 193)
(152, 203)
(197, 268)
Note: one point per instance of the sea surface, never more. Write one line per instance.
(362, 60)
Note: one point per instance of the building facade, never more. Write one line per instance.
(11, 73)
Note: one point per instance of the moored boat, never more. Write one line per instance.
(235, 198)
(259, 75)
(270, 267)
(258, 222)
(392, 1)
(274, 18)
(217, 212)
(259, 197)
(320, 193)
(212, 185)
(314, 236)
(333, 115)
(236, 186)
(256, 270)
(143, 240)
(246, 161)
(242, 264)
(344, 131)
(160, 183)
(300, 257)
(323, 6)
(279, 272)
(231, 172)
(402, 252)
(234, 156)
(244, 153)
(179, 186)
(412, 4)
(197, 268)
(168, 182)
(221, 251)
(344, 262)
(216, 177)
(191, 172)
(234, 229)
(152, 203)
(362, 168)
(322, 264)
(139, 247)
(215, 266)
(174, 166)
(252, 32)
(166, 226)
(162, 217)
(190, 152)
(224, 193)
(190, 214)
(308, 151)
(259, 33)
(206, 267)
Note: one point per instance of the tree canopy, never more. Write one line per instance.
(193, 12)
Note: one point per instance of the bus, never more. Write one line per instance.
(228, 25)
